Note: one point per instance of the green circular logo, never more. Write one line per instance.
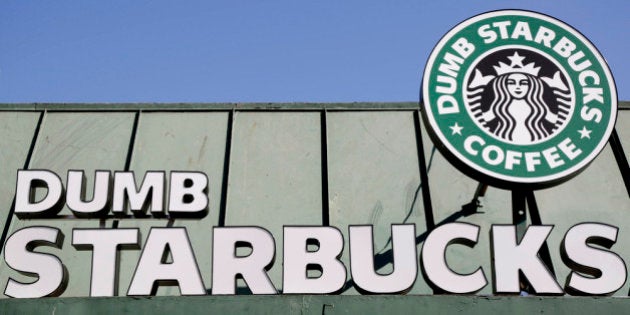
(518, 98)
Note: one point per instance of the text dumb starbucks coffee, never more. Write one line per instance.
(516, 97)
(494, 155)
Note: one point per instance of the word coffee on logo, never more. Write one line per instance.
(518, 98)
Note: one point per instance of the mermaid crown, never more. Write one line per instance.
(516, 66)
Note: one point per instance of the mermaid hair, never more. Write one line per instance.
(533, 98)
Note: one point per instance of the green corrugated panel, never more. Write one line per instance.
(596, 195)
(179, 142)
(79, 141)
(18, 130)
(623, 130)
(452, 194)
(374, 178)
(275, 174)
(276, 179)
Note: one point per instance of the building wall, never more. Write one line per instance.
(273, 165)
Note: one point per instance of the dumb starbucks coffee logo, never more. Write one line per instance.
(518, 98)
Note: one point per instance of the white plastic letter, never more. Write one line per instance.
(510, 257)
(297, 259)
(188, 193)
(27, 181)
(76, 193)
(125, 186)
(104, 244)
(226, 265)
(153, 269)
(606, 270)
(19, 256)
(404, 261)
(434, 258)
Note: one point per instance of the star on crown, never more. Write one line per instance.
(516, 66)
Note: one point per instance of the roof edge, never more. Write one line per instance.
(623, 105)
(206, 106)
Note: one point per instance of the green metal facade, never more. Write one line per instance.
(273, 165)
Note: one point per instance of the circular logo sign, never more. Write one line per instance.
(518, 98)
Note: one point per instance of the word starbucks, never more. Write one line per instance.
(311, 261)
(595, 270)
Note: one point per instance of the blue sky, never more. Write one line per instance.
(253, 51)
